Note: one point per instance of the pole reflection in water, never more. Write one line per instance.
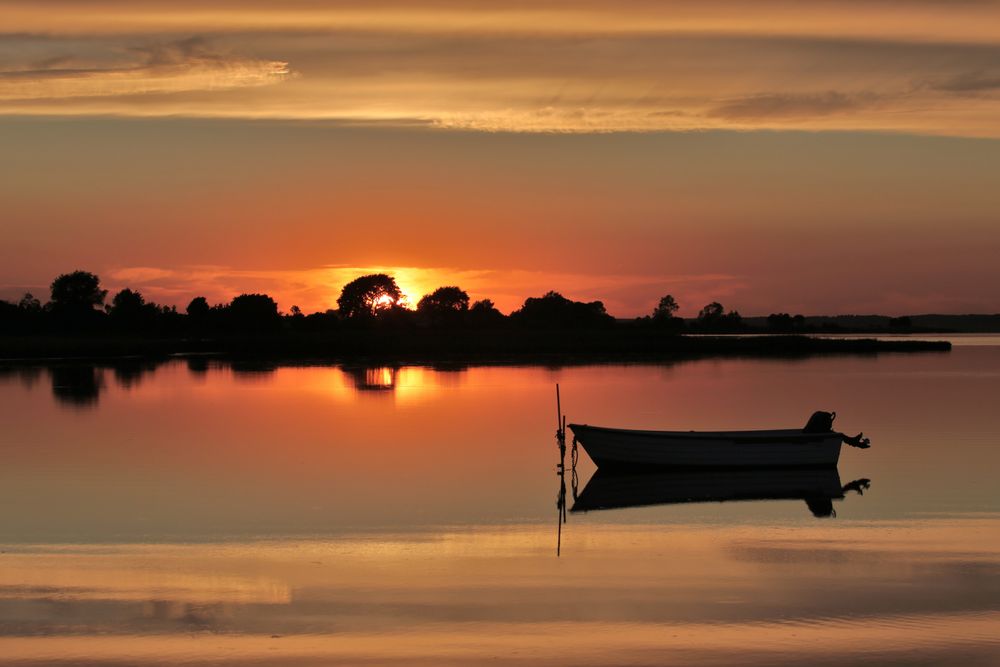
(561, 471)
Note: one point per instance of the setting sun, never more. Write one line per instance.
(385, 301)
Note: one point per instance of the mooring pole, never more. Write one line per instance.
(560, 433)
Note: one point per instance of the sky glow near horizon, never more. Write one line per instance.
(833, 157)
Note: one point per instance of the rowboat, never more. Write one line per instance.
(613, 489)
(627, 448)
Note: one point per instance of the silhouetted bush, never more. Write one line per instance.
(396, 318)
(29, 304)
(25, 317)
(444, 300)
(714, 318)
(711, 313)
(316, 322)
(484, 314)
(555, 310)
(130, 312)
(445, 306)
(252, 313)
(10, 317)
(784, 323)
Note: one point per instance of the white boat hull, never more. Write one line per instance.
(611, 447)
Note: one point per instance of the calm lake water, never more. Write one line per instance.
(197, 512)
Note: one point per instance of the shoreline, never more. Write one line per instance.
(432, 348)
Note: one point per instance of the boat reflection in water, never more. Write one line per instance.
(610, 489)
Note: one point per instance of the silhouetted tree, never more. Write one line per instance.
(553, 309)
(126, 300)
(732, 320)
(129, 310)
(29, 303)
(779, 322)
(10, 317)
(253, 312)
(76, 298)
(664, 314)
(397, 317)
(783, 322)
(444, 306)
(326, 321)
(80, 290)
(26, 316)
(296, 319)
(198, 308)
(200, 315)
(903, 322)
(369, 296)
(444, 299)
(483, 313)
(666, 308)
(711, 313)
(714, 317)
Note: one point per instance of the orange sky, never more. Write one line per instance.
(829, 157)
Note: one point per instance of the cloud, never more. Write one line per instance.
(179, 66)
(912, 20)
(969, 82)
(915, 66)
(791, 105)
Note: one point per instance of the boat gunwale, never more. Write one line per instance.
(796, 433)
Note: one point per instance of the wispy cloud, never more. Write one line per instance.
(916, 66)
(172, 67)
(970, 82)
(792, 105)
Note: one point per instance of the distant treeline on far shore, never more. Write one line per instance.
(77, 305)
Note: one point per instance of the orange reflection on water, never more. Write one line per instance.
(894, 640)
(204, 450)
(632, 593)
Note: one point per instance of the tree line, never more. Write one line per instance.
(78, 304)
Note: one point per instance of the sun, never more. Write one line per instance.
(387, 301)
(384, 301)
